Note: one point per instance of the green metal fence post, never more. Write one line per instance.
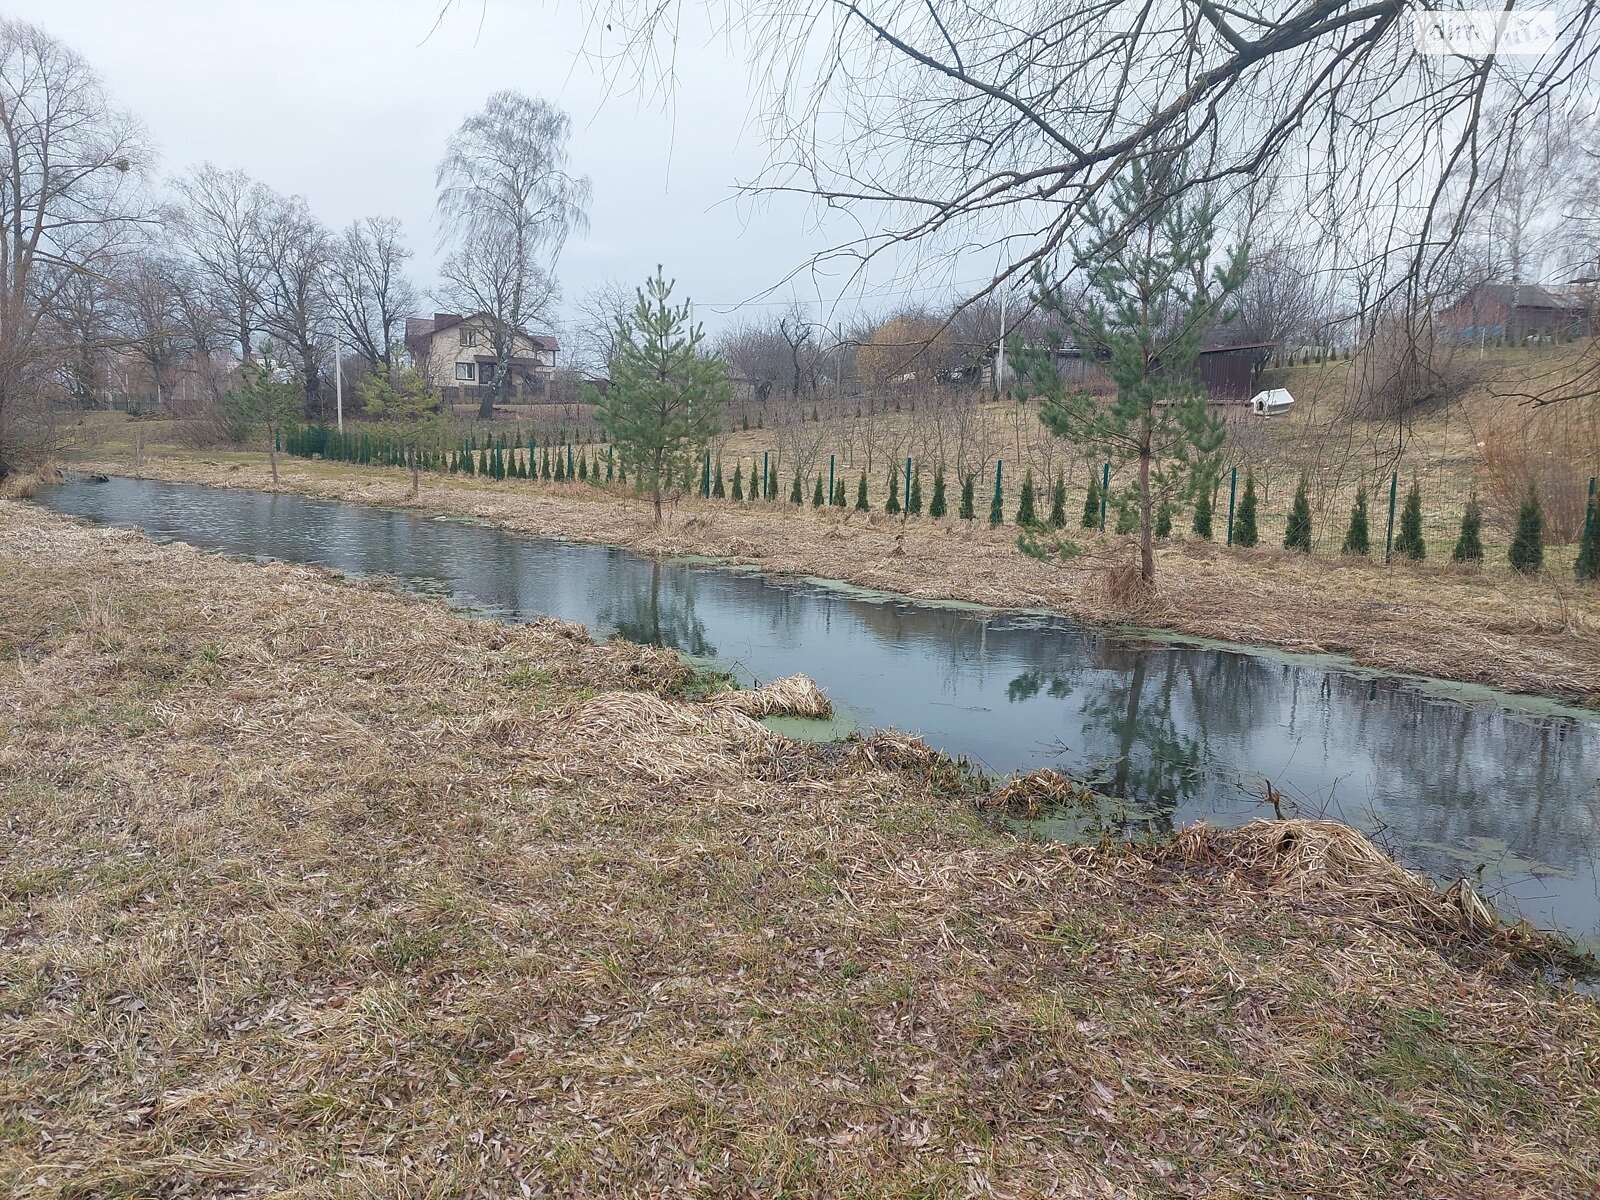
(1105, 486)
(1394, 493)
(1233, 487)
(905, 507)
(766, 469)
(705, 477)
(830, 478)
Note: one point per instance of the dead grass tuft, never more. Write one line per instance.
(1033, 793)
(796, 696)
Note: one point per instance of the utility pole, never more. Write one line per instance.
(338, 386)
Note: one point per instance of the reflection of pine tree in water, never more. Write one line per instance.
(1132, 732)
(640, 616)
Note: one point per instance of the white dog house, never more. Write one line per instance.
(1271, 402)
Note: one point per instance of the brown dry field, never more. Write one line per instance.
(1535, 636)
(312, 889)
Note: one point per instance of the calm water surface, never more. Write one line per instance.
(1456, 784)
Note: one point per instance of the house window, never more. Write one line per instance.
(469, 337)
(486, 373)
(464, 371)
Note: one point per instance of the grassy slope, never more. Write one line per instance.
(312, 889)
(1537, 636)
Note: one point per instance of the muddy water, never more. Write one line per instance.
(1455, 781)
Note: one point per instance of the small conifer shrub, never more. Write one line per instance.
(1025, 514)
(937, 506)
(969, 486)
(1058, 503)
(1588, 564)
(1246, 531)
(1357, 537)
(914, 495)
(1527, 547)
(861, 495)
(893, 505)
(1298, 534)
(816, 494)
(1409, 544)
(1201, 525)
(1469, 543)
(1091, 504)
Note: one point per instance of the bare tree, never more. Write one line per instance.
(506, 205)
(67, 168)
(149, 315)
(368, 291)
(592, 336)
(220, 220)
(296, 251)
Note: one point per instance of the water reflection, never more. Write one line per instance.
(1181, 733)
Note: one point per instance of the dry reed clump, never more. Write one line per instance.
(24, 485)
(1336, 864)
(643, 736)
(795, 696)
(1033, 793)
(909, 756)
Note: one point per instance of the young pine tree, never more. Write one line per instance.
(937, 506)
(816, 494)
(1127, 513)
(1164, 519)
(914, 495)
(1298, 535)
(1091, 504)
(893, 506)
(1025, 514)
(969, 486)
(1527, 547)
(666, 396)
(861, 494)
(1357, 538)
(1155, 285)
(1469, 543)
(1058, 503)
(1246, 531)
(273, 404)
(1409, 544)
(410, 407)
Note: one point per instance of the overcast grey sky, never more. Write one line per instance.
(349, 103)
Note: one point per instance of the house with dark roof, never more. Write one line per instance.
(1500, 310)
(456, 354)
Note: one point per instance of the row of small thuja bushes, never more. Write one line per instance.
(502, 458)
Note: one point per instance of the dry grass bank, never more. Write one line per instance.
(1539, 636)
(313, 889)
